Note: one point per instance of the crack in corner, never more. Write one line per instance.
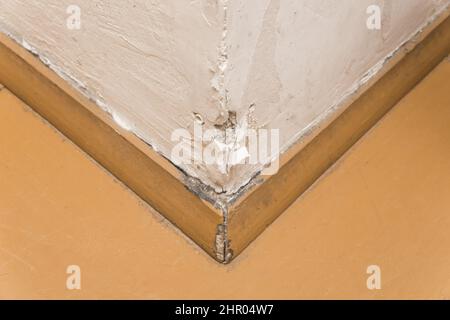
(223, 251)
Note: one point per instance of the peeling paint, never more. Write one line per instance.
(226, 64)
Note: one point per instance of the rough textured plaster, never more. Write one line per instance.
(160, 65)
(150, 64)
(296, 60)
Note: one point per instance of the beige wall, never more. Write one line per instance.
(153, 65)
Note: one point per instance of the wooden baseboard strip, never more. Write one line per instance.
(226, 231)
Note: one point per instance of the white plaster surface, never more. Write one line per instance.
(157, 65)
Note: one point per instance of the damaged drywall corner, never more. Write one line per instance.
(228, 129)
(211, 56)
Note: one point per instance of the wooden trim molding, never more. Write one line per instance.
(222, 227)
